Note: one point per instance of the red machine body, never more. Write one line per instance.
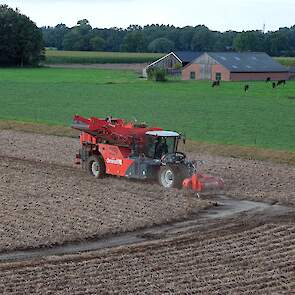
(111, 146)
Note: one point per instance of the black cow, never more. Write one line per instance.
(246, 88)
(216, 83)
(274, 85)
(281, 82)
(268, 79)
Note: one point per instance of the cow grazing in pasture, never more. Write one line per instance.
(281, 82)
(246, 88)
(274, 85)
(216, 83)
(268, 79)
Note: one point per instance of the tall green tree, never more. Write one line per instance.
(21, 40)
(78, 37)
(134, 42)
(97, 43)
(203, 39)
(249, 41)
(161, 45)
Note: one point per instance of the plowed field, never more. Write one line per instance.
(257, 261)
(45, 200)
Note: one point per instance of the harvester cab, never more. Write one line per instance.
(109, 146)
(161, 143)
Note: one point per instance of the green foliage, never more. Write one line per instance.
(156, 74)
(248, 41)
(134, 42)
(20, 40)
(203, 39)
(163, 38)
(286, 61)
(83, 38)
(264, 117)
(82, 57)
(55, 35)
(97, 43)
(161, 45)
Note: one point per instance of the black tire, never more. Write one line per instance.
(171, 176)
(95, 166)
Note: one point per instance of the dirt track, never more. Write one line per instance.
(45, 200)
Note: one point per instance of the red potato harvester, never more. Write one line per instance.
(111, 146)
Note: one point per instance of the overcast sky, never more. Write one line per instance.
(218, 15)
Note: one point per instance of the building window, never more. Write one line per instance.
(218, 77)
(193, 76)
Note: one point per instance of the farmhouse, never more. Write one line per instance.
(232, 66)
(173, 61)
(291, 73)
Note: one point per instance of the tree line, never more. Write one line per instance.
(166, 38)
(21, 41)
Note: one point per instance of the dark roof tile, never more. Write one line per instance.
(187, 56)
(247, 62)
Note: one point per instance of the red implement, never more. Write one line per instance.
(202, 182)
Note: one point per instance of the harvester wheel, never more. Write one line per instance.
(171, 176)
(96, 166)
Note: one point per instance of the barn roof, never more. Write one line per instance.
(187, 56)
(247, 62)
(182, 56)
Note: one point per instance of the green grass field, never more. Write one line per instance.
(87, 57)
(286, 61)
(262, 118)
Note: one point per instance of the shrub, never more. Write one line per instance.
(157, 74)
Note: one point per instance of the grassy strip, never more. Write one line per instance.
(286, 61)
(86, 57)
(261, 118)
(234, 151)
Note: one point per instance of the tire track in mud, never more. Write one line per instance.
(258, 260)
(227, 215)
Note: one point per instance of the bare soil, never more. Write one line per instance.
(46, 200)
(250, 179)
(259, 260)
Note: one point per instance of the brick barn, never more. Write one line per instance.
(292, 73)
(231, 66)
(173, 62)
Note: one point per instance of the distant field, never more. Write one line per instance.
(262, 118)
(286, 61)
(87, 57)
(90, 57)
